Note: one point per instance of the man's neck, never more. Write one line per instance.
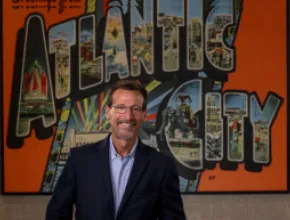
(123, 147)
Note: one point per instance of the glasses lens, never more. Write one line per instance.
(122, 109)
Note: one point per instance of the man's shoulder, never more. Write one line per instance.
(89, 148)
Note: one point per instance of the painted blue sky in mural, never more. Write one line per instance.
(66, 30)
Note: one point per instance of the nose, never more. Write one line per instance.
(129, 114)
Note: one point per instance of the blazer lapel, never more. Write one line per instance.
(102, 172)
(140, 164)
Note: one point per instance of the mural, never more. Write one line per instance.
(216, 92)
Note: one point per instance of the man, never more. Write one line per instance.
(119, 177)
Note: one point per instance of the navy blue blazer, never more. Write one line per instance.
(152, 190)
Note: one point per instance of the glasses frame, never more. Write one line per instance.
(134, 111)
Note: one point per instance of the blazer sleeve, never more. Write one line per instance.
(171, 204)
(60, 206)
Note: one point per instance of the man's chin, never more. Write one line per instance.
(125, 136)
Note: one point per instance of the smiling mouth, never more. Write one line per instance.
(127, 123)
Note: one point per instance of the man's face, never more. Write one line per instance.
(126, 114)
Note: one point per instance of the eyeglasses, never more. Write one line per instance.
(121, 109)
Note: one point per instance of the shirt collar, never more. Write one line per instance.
(114, 153)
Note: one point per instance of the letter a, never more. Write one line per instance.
(36, 99)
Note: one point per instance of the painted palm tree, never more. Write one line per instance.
(115, 34)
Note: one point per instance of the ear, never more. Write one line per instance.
(108, 112)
